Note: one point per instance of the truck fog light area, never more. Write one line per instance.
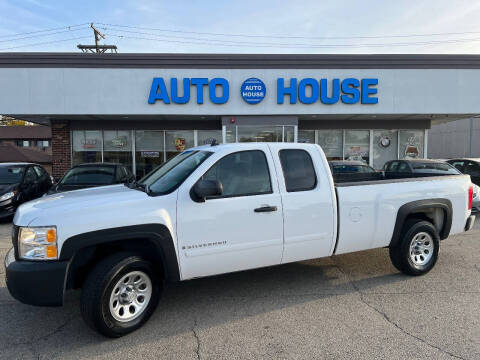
(37, 243)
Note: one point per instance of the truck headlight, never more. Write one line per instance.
(7, 196)
(37, 243)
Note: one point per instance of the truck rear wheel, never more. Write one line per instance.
(120, 294)
(417, 250)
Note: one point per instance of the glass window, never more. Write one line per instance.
(298, 170)
(392, 166)
(458, 164)
(403, 167)
(260, 133)
(11, 174)
(40, 172)
(87, 146)
(351, 168)
(117, 147)
(411, 144)
(357, 145)
(385, 147)
(30, 176)
(205, 137)
(89, 175)
(22, 143)
(178, 141)
(289, 134)
(149, 151)
(331, 141)
(171, 175)
(306, 136)
(231, 134)
(242, 173)
(472, 168)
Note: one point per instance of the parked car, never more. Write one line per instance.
(476, 198)
(346, 170)
(92, 174)
(398, 169)
(20, 182)
(469, 167)
(217, 209)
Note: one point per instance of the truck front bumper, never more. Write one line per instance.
(470, 222)
(35, 282)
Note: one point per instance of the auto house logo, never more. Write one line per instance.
(253, 91)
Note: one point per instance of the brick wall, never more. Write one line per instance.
(61, 148)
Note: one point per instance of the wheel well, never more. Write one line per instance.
(86, 258)
(434, 215)
(436, 211)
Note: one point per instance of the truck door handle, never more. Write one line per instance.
(266, 208)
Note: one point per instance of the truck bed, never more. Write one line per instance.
(367, 210)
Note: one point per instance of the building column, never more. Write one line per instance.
(61, 148)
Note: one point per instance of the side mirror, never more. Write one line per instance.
(206, 188)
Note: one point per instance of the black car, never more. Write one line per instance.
(346, 170)
(397, 169)
(92, 174)
(469, 167)
(21, 182)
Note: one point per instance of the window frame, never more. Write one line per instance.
(30, 168)
(241, 195)
(283, 171)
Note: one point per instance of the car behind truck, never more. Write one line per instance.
(218, 209)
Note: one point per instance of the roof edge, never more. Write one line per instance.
(238, 61)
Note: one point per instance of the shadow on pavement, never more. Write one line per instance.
(200, 303)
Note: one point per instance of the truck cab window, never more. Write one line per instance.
(242, 173)
(298, 170)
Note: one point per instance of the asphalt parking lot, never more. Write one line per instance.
(353, 306)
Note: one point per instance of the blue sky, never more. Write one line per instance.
(287, 26)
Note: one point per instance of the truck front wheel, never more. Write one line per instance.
(417, 250)
(120, 294)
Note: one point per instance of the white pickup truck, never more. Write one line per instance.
(217, 209)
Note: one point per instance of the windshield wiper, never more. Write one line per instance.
(134, 184)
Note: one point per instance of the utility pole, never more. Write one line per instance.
(97, 48)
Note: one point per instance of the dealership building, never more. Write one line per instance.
(142, 109)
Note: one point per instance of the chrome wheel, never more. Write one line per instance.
(130, 296)
(421, 248)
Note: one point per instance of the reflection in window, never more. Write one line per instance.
(87, 146)
(149, 151)
(385, 147)
(411, 144)
(177, 141)
(331, 142)
(306, 136)
(357, 145)
(118, 147)
(242, 173)
(205, 137)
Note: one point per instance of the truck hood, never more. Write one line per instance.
(62, 204)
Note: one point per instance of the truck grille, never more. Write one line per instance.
(15, 230)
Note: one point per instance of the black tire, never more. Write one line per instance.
(95, 298)
(400, 253)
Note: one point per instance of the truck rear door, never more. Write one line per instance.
(308, 198)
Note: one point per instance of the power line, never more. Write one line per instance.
(293, 37)
(232, 43)
(45, 30)
(42, 35)
(44, 43)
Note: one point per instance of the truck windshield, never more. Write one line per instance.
(171, 175)
(11, 174)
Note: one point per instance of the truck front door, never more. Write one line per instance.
(240, 229)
